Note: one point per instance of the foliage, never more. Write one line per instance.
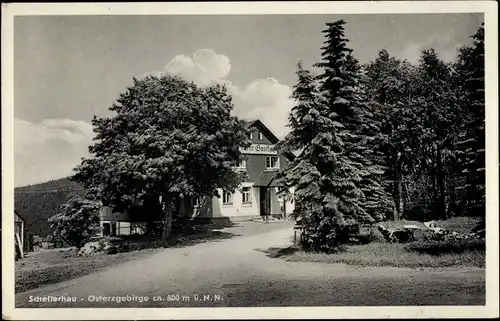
(471, 143)
(390, 85)
(432, 118)
(332, 165)
(169, 140)
(77, 220)
(385, 135)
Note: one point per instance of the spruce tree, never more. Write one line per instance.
(341, 85)
(370, 144)
(328, 170)
(472, 143)
(306, 122)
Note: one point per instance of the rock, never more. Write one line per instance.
(387, 234)
(89, 248)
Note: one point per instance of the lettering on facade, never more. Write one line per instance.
(259, 149)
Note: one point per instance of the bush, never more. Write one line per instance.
(77, 220)
(329, 237)
(448, 246)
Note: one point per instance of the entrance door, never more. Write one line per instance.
(106, 229)
(265, 201)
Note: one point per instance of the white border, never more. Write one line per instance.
(489, 8)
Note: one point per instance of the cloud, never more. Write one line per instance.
(204, 67)
(444, 43)
(264, 99)
(54, 147)
(50, 149)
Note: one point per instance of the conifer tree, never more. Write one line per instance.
(327, 172)
(340, 85)
(306, 122)
(370, 145)
(440, 115)
(471, 147)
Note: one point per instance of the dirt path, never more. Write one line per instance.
(238, 272)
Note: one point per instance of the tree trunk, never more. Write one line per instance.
(189, 208)
(398, 192)
(400, 197)
(395, 211)
(441, 184)
(435, 191)
(167, 222)
(473, 180)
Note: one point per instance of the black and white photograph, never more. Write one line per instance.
(329, 156)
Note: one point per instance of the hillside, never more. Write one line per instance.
(36, 203)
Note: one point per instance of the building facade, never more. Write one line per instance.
(258, 196)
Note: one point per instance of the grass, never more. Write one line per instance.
(52, 266)
(396, 255)
(462, 253)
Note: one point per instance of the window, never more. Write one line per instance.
(138, 228)
(260, 136)
(247, 195)
(227, 198)
(250, 135)
(272, 162)
(242, 163)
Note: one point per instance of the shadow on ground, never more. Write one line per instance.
(276, 252)
(210, 236)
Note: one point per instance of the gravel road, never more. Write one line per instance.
(237, 272)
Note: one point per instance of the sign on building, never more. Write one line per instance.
(259, 149)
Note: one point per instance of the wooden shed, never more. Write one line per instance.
(19, 233)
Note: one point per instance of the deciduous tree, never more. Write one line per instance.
(77, 220)
(169, 140)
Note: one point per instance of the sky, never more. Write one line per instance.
(69, 68)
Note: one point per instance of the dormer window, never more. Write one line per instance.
(242, 164)
(272, 162)
(260, 136)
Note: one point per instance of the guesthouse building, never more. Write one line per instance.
(257, 196)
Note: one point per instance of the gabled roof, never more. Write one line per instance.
(269, 134)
